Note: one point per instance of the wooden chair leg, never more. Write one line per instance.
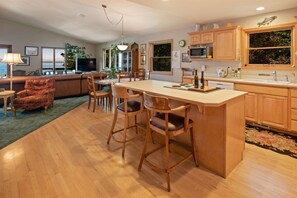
(135, 119)
(110, 102)
(125, 135)
(167, 164)
(115, 117)
(94, 104)
(89, 102)
(193, 146)
(147, 137)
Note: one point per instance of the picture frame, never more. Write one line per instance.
(186, 58)
(142, 60)
(26, 60)
(31, 51)
(142, 48)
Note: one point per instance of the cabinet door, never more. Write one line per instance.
(273, 111)
(225, 45)
(251, 107)
(195, 39)
(207, 38)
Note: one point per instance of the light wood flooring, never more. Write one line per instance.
(69, 158)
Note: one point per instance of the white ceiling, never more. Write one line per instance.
(85, 19)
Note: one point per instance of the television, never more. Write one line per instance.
(86, 64)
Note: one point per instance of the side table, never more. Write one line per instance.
(6, 94)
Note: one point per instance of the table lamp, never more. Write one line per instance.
(12, 59)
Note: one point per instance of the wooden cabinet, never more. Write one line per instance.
(273, 110)
(197, 38)
(128, 61)
(225, 42)
(251, 107)
(293, 111)
(207, 38)
(225, 45)
(266, 105)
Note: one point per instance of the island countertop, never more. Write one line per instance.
(218, 119)
(212, 98)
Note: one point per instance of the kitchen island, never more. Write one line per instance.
(219, 124)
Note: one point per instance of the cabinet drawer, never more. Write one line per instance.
(294, 114)
(293, 92)
(262, 90)
(293, 125)
(294, 103)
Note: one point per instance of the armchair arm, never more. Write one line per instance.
(22, 94)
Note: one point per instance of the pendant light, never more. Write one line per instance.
(121, 46)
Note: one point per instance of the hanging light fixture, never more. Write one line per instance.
(121, 46)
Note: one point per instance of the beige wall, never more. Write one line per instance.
(285, 16)
(19, 36)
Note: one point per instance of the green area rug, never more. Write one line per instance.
(12, 128)
(278, 142)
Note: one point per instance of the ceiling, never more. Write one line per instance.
(85, 19)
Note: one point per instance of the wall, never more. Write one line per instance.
(285, 16)
(20, 35)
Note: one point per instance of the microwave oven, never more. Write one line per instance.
(201, 51)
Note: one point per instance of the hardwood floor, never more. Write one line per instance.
(69, 157)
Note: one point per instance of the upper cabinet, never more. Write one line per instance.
(197, 38)
(225, 42)
(226, 45)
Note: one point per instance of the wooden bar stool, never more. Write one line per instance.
(129, 108)
(160, 119)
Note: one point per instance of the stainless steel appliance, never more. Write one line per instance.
(200, 51)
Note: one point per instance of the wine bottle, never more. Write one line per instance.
(196, 80)
(202, 80)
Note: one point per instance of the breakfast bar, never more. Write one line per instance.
(219, 124)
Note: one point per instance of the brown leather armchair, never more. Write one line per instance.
(38, 93)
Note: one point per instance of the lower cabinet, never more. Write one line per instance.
(293, 111)
(266, 105)
(251, 107)
(273, 110)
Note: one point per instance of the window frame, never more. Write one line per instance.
(116, 58)
(151, 53)
(54, 60)
(245, 47)
(9, 50)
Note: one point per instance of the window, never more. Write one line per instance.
(110, 58)
(3, 66)
(160, 56)
(270, 47)
(53, 60)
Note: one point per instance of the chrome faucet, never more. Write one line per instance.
(274, 75)
(287, 78)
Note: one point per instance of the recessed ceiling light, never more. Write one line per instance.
(165, 0)
(260, 8)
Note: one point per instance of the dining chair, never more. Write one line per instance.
(97, 94)
(126, 75)
(139, 75)
(160, 118)
(127, 104)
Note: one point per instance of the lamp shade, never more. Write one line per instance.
(13, 58)
(122, 47)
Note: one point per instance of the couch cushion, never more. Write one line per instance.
(31, 99)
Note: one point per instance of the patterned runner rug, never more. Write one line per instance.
(275, 141)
